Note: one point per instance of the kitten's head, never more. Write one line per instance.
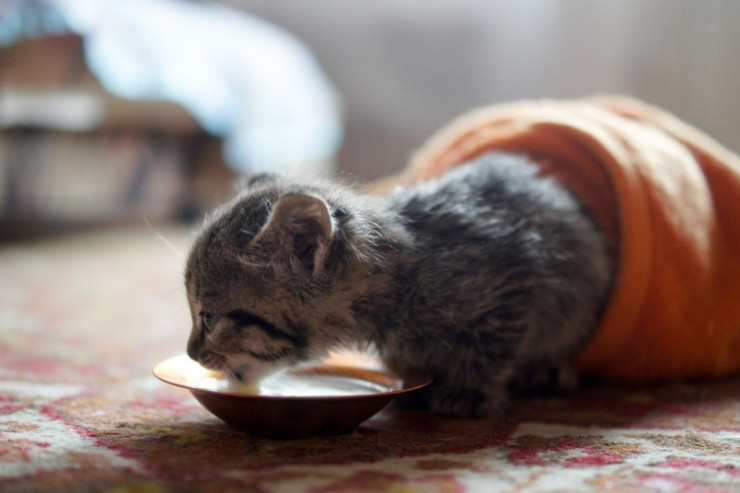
(271, 278)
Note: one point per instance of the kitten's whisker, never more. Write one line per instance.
(164, 240)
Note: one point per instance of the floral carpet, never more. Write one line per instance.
(83, 319)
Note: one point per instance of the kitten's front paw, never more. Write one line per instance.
(547, 381)
(467, 403)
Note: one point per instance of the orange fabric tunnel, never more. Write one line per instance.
(667, 196)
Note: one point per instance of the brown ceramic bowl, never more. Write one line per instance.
(330, 397)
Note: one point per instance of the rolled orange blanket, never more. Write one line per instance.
(665, 193)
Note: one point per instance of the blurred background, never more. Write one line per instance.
(133, 111)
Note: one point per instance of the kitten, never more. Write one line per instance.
(491, 277)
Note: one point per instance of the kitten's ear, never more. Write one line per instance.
(299, 231)
(264, 177)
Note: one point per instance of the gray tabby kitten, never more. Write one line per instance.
(490, 277)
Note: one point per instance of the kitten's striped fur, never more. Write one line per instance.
(491, 277)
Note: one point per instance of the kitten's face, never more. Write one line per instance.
(256, 283)
(239, 325)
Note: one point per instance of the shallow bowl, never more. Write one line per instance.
(328, 397)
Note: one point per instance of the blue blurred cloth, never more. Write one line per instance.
(245, 80)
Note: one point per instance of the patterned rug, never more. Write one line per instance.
(83, 320)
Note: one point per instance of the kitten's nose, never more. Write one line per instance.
(193, 349)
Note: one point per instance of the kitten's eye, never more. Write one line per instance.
(209, 318)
